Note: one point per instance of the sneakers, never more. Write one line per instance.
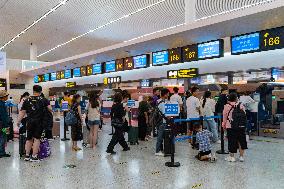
(159, 154)
(34, 159)
(126, 149)
(241, 158)
(27, 158)
(218, 141)
(5, 155)
(230, 159)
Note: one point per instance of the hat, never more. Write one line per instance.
(3, 93)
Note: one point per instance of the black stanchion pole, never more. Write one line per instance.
(65, 128)
(172, 163)
(222, 151)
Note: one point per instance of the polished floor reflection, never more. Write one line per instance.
(139, 168)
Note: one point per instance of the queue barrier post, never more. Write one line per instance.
(222, 150)
(65, 128)
(172, 163)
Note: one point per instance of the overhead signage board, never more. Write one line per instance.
(272, 39)
(3, 83)
(188, 73)
(47, 77)
(212, 49)
(160, 58)
(172, 74)
(119, 64)
(76, 72)
(83, 70)
(89, 70)
(190, 53)
(110, 66)
(175, 56)
(41, 78)
(58, 75)
(70, 84)
(68, 74)
(97, 69)
(62, 74)
(145, 83)
(53, 76)
(112, 80)
(141, 61)
(128, 63)
(242, 44)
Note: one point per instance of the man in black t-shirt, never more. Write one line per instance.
(34, 107)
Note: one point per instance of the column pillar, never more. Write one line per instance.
(187, 83)
(190, 11)
(33, 52)
(230, 77)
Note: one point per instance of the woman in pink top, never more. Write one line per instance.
(236, 136)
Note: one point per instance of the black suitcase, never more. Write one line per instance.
(168, 145)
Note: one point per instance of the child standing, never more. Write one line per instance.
(203, 137)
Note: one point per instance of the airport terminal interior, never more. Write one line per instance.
(162, 94)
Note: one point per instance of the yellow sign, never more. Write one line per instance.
(70, 84)
(272, 39)
(188, 73)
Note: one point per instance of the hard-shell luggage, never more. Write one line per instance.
(86, 134)
(133, 135)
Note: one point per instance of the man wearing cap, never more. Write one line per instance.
(4, 127)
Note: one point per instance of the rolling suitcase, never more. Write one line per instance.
(133, 135)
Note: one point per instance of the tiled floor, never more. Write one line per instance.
(139, 168)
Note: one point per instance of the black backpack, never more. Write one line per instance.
(156, 117)
(239, 118)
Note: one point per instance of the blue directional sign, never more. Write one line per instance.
(76, 72)
(36, 79)
(245, 43)
(160, 58)
(47, 77)
(140, 61)
(68, 74)
(172, 110)
(110, 66)
(131, 103)
(210, 49)
(97, 69)
(53, 76)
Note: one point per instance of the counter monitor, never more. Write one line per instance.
(160, 58)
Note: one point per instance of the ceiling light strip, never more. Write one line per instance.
(236, 9)
(35, 22)
(102, 26)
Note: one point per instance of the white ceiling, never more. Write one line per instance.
(79, 16)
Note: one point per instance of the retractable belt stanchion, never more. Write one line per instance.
(222, 151)
(65, 128)
(172, 163)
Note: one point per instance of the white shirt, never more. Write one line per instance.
(209, 107)
(93, 113)
(246, 101)
(176, 99)
(192, 103)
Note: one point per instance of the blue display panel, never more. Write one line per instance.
(110, 66)
(53, 76)
(245, 43)
(210, 49)
(160, 58)
(68, 74)
(76, 72)
(97, 69)
(140, 61)
(36, 79)
(47, 77)
(171, 109)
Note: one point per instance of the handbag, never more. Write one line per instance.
(117, 123)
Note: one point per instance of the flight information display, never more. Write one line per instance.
(97, 69)
(76, 72)
(188, 73)
(89, 70)
(68, 74)
(213, 49)
(175, 56)
(110, 66)
(272, 39)
(58, 75)
(141, 61)
(119, 64)
(128, 63)
(160, 58)
(36, 79)
(245, 43)
(190, 53)
(53, 76)
(83, 70)
(47, 77)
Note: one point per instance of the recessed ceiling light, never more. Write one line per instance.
(102, 26)
(35, 22)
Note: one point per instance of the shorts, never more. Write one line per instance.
(95, 122)
(34, 129)
(236, 137)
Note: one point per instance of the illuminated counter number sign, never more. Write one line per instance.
(41, 78)
(188, 73)
(90, 70)
(83, 70)
(119, 64)
(175, 56)
(128, 63)
(172, 74)
(3, 81)
(58, 75)
(190, 53)
(62, 75)
(272, 39)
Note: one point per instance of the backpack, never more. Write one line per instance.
(71, 118)
(156, 118)
(239, 118)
